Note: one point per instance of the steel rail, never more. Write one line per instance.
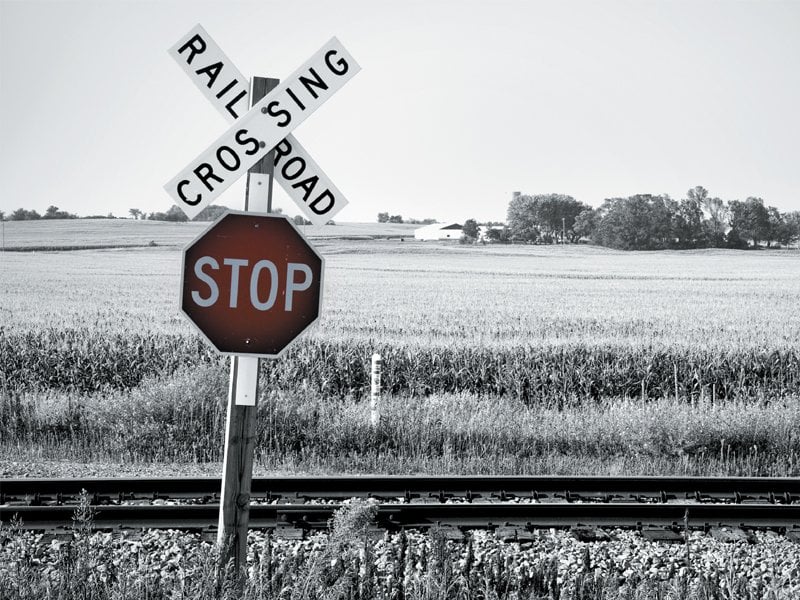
(308, 517)
(471, 488)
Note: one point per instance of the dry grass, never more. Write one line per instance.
(179, 419)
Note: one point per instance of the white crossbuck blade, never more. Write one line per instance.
(265, 126)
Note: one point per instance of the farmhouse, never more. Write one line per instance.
(438, 231)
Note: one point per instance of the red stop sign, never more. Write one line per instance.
(251, 283)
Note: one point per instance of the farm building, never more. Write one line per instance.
(438, 231)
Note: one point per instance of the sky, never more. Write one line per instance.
(457, 104)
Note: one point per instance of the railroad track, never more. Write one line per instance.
(295, 506)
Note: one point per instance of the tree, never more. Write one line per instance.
(521, 217)
(501, 235)
(687, 223)
(383, 217)
(470, 230)
(395, 219)
(774, 225)
(135, 213)
(749, 220)
(52, 212)
(174, 214)
(790, 230)
(546, 216)
(2, 216)
(640, 222)
(24, 215)
(300, 220)
(585, 224)
(211, 213)
(714, 225)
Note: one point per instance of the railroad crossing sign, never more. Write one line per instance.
(226, 88)
(264, 127)
(251, 284)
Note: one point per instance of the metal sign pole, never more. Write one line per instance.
(240, 424)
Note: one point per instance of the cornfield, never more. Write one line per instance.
(84, 360)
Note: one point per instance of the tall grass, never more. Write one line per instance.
(181, 418)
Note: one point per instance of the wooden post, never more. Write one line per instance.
(240, 424)
(375, 391)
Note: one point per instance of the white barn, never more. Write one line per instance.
(438, 231)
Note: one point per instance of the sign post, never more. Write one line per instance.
(251, 283)
(240, 422)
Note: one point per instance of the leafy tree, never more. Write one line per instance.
(383, 217)
(774, 225)
(715, 224)
(174, 214)
(300, 220)
(24, 215)
(52, 212)
(640, 222)
(395, 219)
(545, 216)
(687, 223)
(521, 218)
(790, 229)
(585, 224)
(2, 216)
(749, 221)
(556, 213)
(502, 236)
(135, 213)
(211, 213)
(470, 230)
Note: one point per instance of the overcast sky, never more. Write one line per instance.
(457, 104)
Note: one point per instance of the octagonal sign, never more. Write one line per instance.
(251, 283)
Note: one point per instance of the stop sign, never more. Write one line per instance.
(251, 283)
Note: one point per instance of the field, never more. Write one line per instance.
(506, 359)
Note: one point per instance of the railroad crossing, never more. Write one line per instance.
(252, 283)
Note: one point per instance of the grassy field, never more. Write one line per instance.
(75, 233)
(497, 358)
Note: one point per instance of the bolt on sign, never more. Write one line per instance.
(251, 284)
(264, 127)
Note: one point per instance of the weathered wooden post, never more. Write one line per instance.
(240, 423)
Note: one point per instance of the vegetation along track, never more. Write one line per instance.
(294, 506)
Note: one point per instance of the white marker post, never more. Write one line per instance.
(375, 391)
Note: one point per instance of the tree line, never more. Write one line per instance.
(174, 214)
(651, 222)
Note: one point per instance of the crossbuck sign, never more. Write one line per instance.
(267, 125)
